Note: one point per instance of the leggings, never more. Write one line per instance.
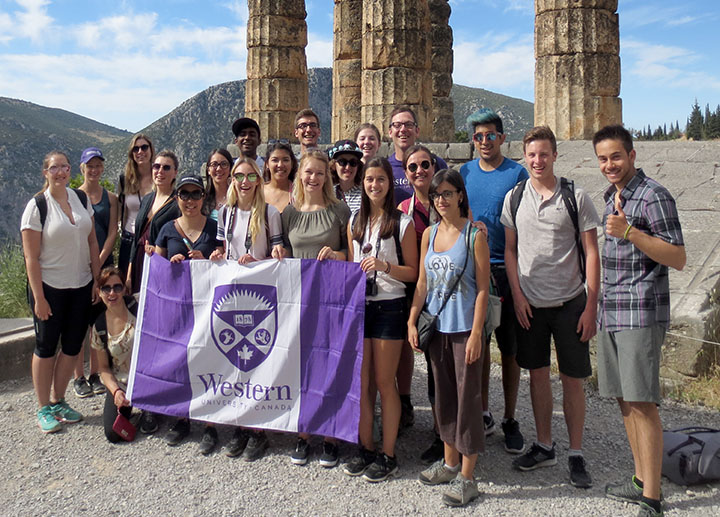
(110, 412)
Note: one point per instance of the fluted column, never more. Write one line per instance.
(347, 68)
(443, 121)
(577, 67)
(277, 85)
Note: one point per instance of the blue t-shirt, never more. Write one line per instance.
(403, 189)
(170, 239)
(486, 192)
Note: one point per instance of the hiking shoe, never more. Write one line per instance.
(435, 452)
(514, 441)
(148, 423)
(627, 491)
(648, 511)
(359, 463)
(437, 474)
(82, 388)
(489, 423)
(579, 477)
(535, 458)
(96, 384)
(407, 414)
(256, 446)
(329, 456)
(178, 432)
(209, 440)
(302, 450)
(382, 468)
(238, 442)
(61, 411)
(461, 491)
(47, 421)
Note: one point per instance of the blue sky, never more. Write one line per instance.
(127, 63)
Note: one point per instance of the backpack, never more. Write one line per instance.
(691, 455)
(567, 190)
(100, 323)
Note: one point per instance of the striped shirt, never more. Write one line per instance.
(635, 288)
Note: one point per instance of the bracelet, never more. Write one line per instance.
(627, 230)
(387, 270)
(116, 390)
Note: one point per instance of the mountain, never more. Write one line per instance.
(201, 123)
(28, 132)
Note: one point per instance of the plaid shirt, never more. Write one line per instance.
(635, 288)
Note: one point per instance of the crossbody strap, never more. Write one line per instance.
(457, 278)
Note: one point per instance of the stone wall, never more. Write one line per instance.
(347, 68)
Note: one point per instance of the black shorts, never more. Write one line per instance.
(505, 334)
(573, 355)
(68, 323)
(386, 319)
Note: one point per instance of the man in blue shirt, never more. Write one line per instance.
(487, 180)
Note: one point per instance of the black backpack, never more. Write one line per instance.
(100, 323)
(567, 190)
(691, 455)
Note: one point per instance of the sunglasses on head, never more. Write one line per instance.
(352, 162)
(158, 166)
(138, 148)
(195, 195)
(116, 288)
(479, 137)
(424, 165)
(240, 177)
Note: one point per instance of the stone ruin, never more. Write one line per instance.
(390, 52)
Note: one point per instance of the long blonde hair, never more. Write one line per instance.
(46, 163)
(257, 214)
(328, 190)
(132, 174)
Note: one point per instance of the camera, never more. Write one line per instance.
(371, 288)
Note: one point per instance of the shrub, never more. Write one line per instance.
(13, 282)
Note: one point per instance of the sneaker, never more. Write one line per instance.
(627, 491)
(648, 511)
(178, 432)
(47, 421)
(382, 468)
(256, 446)
(514, 441)
(96, 384)
(82, 388)
(579, 477)
(238, 442)
(461, 491)
(302, 450)
(437, 474)
(407, 414)
(535, 458)
(489, 422)
(148, 423)
(61, 411)
(329, 456)
(435, 452)
(359, 463)
(209, 440)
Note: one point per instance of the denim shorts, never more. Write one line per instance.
(386, 319)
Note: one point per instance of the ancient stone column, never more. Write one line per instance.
(396, 56)
(443, 122)
(577, 68)
(277, 85)
(347, 68)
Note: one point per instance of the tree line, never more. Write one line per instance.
(699, 126)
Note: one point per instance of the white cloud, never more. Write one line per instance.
(653, 14)
(494, 63)
(33, 21)
(319, 51)
(239, 8)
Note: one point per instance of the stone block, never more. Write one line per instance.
(345, 122)
(276, 62)
(441, 84)
(593, 74)
(347, 97)
(388, 48)
(289, 8)
(443, 126)
(396, 85)
(441, 35)
(460, 152)
(347, 73)
(438, 149)
(442, 60)
(553, 5)
(380, 15)
(275, 124)
(276, 31)
(576, 30)
(439, 11)
(347, 29)
(276, 94)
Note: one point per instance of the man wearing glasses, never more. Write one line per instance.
(403, 131)
(307, 130)
(247, 138)
(487, 180)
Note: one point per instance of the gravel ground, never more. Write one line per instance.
(76, 472)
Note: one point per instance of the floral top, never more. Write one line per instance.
(120, 348)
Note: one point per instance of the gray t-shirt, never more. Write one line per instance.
(306, 233)
(548, 267)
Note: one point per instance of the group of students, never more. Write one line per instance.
(428, 237)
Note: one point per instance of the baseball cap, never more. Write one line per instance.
(90, 153)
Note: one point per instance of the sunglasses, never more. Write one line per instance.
(186, 195)
(344, 162)
(240, 177)
(158, 166)
(445, 194)
(115, 288)
(479, 137)
(138, 148)
(424, 165)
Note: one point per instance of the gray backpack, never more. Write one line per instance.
(691, 455)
